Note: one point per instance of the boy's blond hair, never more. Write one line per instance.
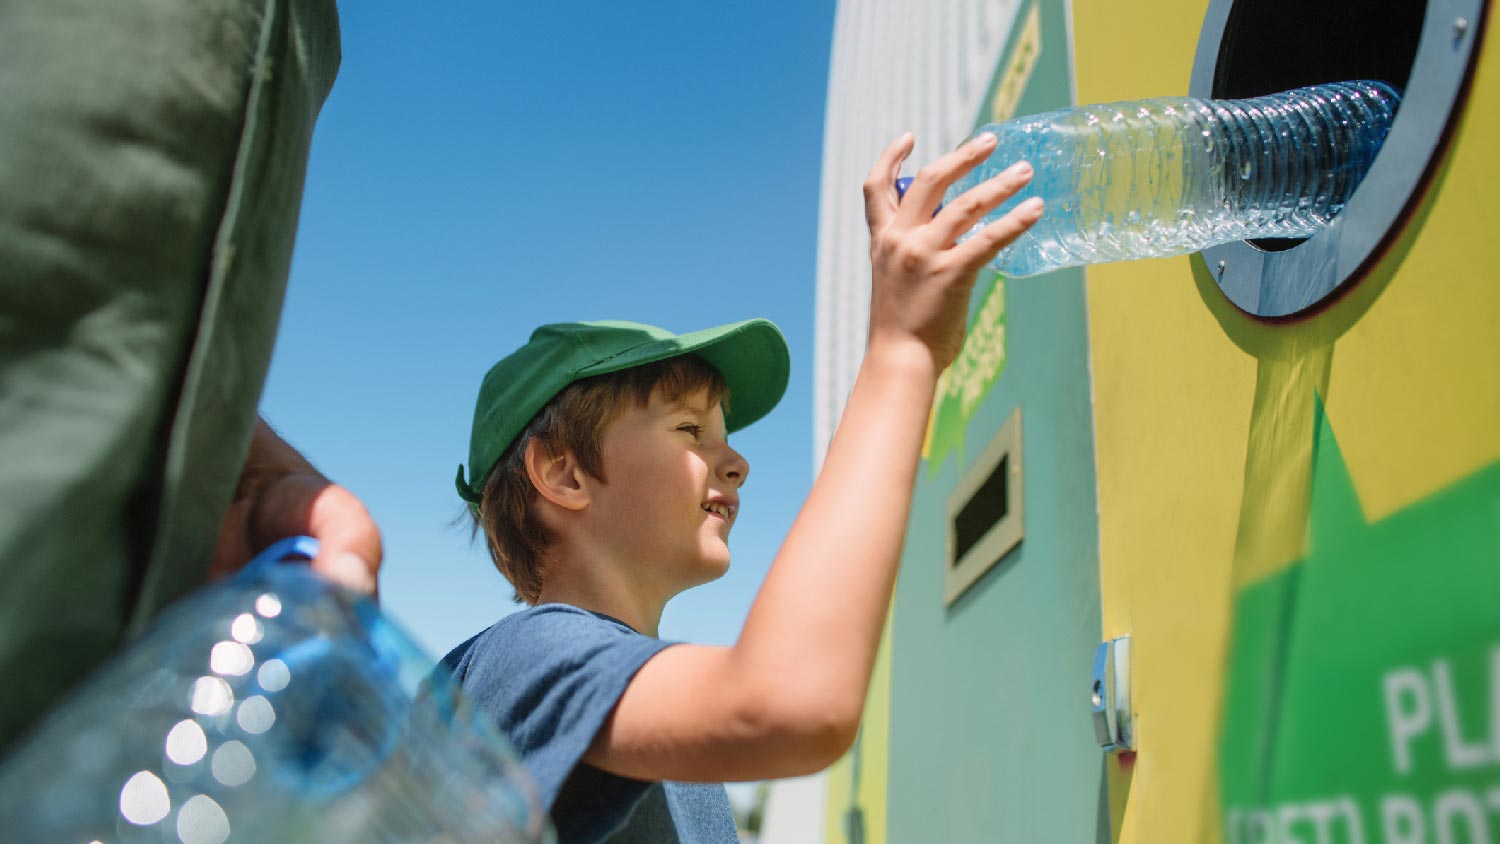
(573, 422)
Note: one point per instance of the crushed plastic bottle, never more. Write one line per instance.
(1169, 176)
(272, 706)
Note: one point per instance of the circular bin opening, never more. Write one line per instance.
(1250, 48)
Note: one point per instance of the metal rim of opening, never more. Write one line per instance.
(1285, 283)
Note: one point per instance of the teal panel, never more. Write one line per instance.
(991, 737)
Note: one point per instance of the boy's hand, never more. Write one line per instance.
(921, 278)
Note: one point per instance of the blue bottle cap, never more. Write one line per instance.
(903, 184)
(302, 548)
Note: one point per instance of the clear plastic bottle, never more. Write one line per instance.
(1168, 176)
(270, 707)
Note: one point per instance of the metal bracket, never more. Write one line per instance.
(1110, 695)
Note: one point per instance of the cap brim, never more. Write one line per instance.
(751, 356)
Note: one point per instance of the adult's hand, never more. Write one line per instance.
(280, 494)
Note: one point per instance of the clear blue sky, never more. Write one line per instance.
(481, 168)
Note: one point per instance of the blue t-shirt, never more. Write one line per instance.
(549, 676)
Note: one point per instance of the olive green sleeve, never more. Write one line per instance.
(152, 155)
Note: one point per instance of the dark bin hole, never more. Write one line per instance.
(1277, 45)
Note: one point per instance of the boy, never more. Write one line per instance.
(601, 473)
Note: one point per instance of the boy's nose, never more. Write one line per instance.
(734, 467)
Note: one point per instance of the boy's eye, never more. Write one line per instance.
(695, 430)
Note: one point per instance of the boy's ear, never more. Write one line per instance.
(557, 478)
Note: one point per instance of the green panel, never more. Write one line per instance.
(973, 374)
(1364, 688)
(991, 737)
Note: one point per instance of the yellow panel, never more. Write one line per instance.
(1432, 414)
(837, 801)
(1203, 417)
(1171, 400)
(872, 760)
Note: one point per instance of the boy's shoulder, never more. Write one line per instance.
(548, 677)
(544, 624)
(548, 637)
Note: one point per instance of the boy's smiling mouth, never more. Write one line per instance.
(724, 509)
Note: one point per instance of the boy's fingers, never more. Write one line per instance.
(982, 247)
(880, 185)
(927, 187)
(960, 215)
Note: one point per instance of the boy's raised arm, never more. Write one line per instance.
(786, 699)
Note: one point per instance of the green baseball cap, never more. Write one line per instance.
(751, 356)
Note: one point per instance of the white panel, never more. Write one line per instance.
(897, 65)
(794, 811)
